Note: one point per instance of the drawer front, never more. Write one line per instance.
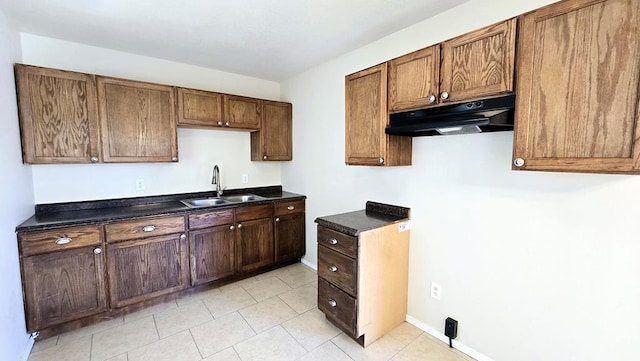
(289, 207)
(337, 241)
(210, 219)
(59, 239)
(147, 227)
(337, 305)
(254, 212)
(337, 269)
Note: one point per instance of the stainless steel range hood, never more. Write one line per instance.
(484, 115)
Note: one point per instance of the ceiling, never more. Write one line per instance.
(269, 39)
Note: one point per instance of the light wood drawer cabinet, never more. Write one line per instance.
(146, 227)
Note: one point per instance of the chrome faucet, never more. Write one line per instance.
(216, 180)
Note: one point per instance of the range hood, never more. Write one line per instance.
(484, 115)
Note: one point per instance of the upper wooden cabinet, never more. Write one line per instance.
(242, 112)
(366, 118)
(58, 116)
(138, 121)
(199, 108)
(477, 64)
(273, 141)
(578, 76)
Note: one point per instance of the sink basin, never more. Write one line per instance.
(242, 198)
(204, 202)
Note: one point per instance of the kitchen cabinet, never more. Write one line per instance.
(58, 116)
(273, 141)
(366, 118)
(578, 76)
(363, 274)
(289, 230)
(474, 65)
(199, 108)
(254, 237)
(212, 246)
(146, 258)
(242, 112)
(63, 275)
(138, 122)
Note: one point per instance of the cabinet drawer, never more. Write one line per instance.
(288, 207)
(337, 269)
(337, 305)
(210, 219)
(59, 239)
(146, 227)
(338, 241)
(254, 212)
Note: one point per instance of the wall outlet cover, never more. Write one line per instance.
(436, 291)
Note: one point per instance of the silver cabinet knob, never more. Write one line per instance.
(232, 228)
(174, 159)
(518, 162)
(431, 99)
(264, 157)
(444, 95)
(63, 240)
(227, 124)
(380, 160)
(333, 269)
(277, 219)
(239, 225)
(333, 303)
(333, 241)
(97, 250)
(291, 208)
(183, 237)
(94, 159)
(148, 228)
(220, 123)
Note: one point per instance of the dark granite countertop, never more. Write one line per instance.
(55, 215)
(375, 215)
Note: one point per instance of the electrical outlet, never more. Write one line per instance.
(436, 291)
(139, 184)
(245, 178)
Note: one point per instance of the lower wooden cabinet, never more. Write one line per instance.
(289, 230)
(61, 281)
(254, 244)
(212, 253)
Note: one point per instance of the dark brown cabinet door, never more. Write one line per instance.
(289, 234)
(63, 286)
(366, 118)
(58, 116)
(414, 79)
(137, 120)
(145, 268)
(242, 112)
(578, 76)
(254, 244)
(212, 253)
(479, 63)
(199, 108)
(273, 141)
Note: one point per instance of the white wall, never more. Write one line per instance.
(198, 149)
(534, 266)
(16, 203)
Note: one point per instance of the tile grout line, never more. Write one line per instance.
(194, 341)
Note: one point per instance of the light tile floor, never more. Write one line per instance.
(272, 316)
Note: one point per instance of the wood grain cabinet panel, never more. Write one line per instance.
(199, 108)
(212, 253)
(414, 79)
(138, 121)
(273, 141)
(289, 235)
(58, 116)
(254, 244)
(578, 76)
(366, 118)
(242, 112)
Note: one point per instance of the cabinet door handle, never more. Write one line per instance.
(291, 208)
(431, 99)
(239, 225)
(148, 228)
(333, 241)
(227, 124)
(444, 95)
(333, 269)
(518, 162)
(277, 219)
(220, 123)
(63, 240)
(380, 160)
(232, 228)
(183, 237)
(94, 159)
(264, 157)
(333, 303)
(97, 250)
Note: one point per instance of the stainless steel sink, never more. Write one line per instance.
(203, 202)
(237, 198)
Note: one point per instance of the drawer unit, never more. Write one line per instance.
(146, 227)
(210, 219)
(337, 269)
(289, 207)
(254, 212)
(59, 239)
(337, 305)
(337, 241)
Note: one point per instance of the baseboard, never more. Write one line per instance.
(27, 348)
(309, 264)
(457, 345)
